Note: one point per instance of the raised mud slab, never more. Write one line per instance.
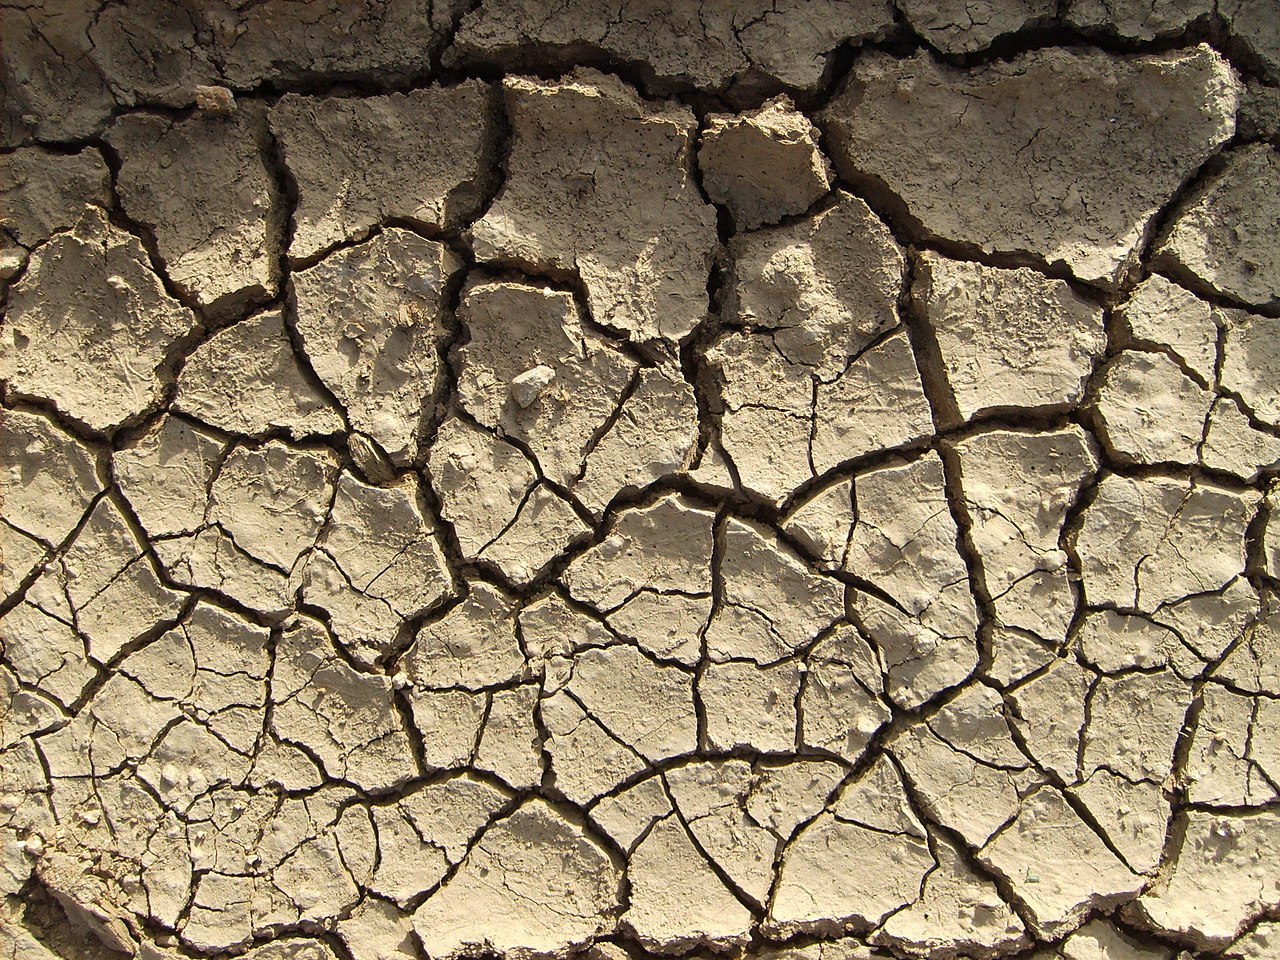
(780, 479)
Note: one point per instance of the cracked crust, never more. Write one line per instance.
(789, 480)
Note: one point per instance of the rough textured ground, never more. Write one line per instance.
(793, 478)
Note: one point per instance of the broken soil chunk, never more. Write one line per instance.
(820, 375)
(370, 321)
(1221, 237)
(657, 717)
(430, 830)
(653, 436)
(246, 379)
(500, 512)
(1250, 358)
(377, 564)
(535, 884)
(165, 476)
(48, 482)
(265, 509)
(958, 909)
(113, 594)
(651, 577)
(735, 149)
(842, 701)
(962, 26)
(1164, 315)
(42, 193)
(817, 894)
(1145, 543)
(1018, 487)
(422, 156)
(473, 646)
(712, 799)
(203, 187)
(681, 41)
(771, 606)
(1017, 146)
(1230, 854)
(1056, 864)
(1150, 411)
(1138, 19)
(344, 718)
(677, 901)
(1008, 338)
(90, 329)
(749, 706)
(904, 542)
(620, 210)
(826, 287)
(776, 479)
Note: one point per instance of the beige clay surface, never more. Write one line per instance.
(778, 479)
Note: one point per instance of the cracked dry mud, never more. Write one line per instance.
(791, 479)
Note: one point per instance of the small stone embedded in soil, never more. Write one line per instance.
(600, 424)
(526, 387)
(215, 99)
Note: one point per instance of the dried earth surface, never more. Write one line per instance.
(790, 479)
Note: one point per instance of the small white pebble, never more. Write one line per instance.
(528, 386)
